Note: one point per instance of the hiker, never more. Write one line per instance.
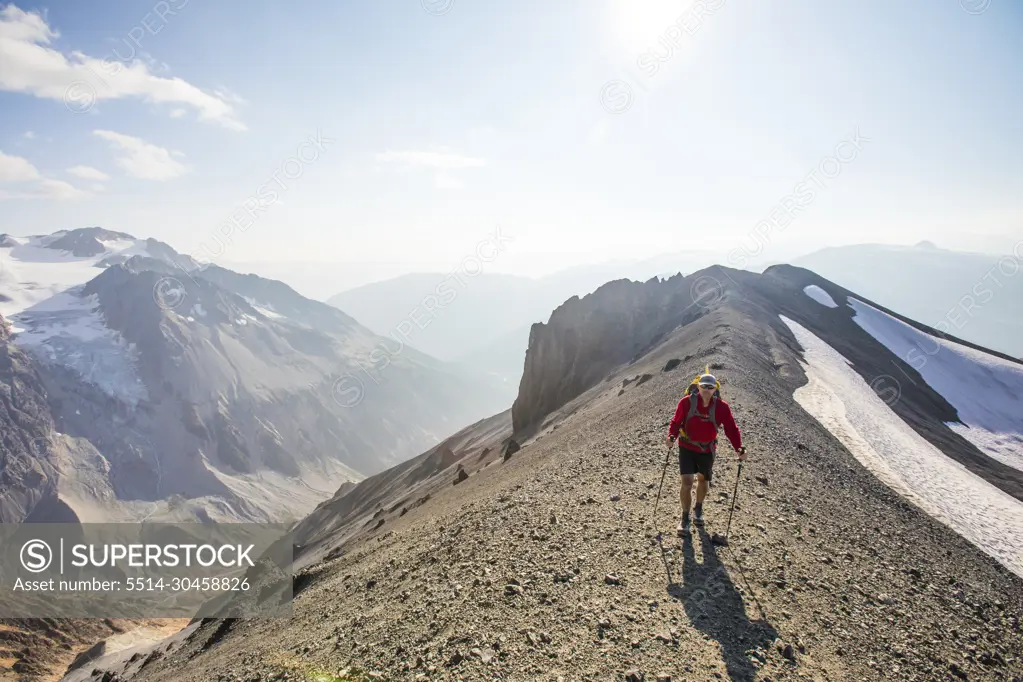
(696, 422)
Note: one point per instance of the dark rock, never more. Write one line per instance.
(612, 579)
(511, 448)
(89, 655)
(762, 479)
(992, 658)
(513, 590)
(461, 476)
(645, 378)
(634, 676)
(671, 364)
(786, 650)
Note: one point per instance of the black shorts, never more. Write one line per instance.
(690, 463)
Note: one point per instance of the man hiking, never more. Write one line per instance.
(696, 422)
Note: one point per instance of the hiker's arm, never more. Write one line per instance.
(731, 430)
(676, 421)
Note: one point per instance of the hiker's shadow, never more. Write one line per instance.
(716, 608)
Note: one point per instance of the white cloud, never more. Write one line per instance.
(29, 65)
(88, 173)
(16, 169)
(29, 184)
(438, 160)
(177, 113)
(58, 189)
(98, 188)
(29, 135)
(142, 159)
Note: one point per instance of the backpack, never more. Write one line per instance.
(693, 391)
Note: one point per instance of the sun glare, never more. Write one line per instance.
(637, 24)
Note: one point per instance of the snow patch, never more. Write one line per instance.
(901, 458)
(198, 310)
(69, 330)
(819, 295)
(266, 312)
(986, 391)
(264, 309)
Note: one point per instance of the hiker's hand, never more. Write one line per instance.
(742, 453)
(668, 440)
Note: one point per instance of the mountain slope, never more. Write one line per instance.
(975, 296)
(25, 421)
(187, 393)
(546, 561)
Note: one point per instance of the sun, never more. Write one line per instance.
(637, 24)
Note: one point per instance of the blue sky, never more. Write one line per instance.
(439, 119)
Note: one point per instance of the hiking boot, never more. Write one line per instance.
(699, 515)
(683, 525)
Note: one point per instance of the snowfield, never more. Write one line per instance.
(819, 295)
(843, 403)
(985, 390)
(68, 329)
(41, 298)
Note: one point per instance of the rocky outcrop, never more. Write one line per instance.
(586, 338)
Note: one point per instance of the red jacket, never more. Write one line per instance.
(703, 431)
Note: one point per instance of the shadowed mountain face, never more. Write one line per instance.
(526, 547)
(182, 393)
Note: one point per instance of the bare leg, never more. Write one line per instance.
(701, 489)
(685, 495)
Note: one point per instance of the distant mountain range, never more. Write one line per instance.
(162, 390)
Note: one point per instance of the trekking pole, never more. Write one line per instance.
(717, 539)
(667, 456)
